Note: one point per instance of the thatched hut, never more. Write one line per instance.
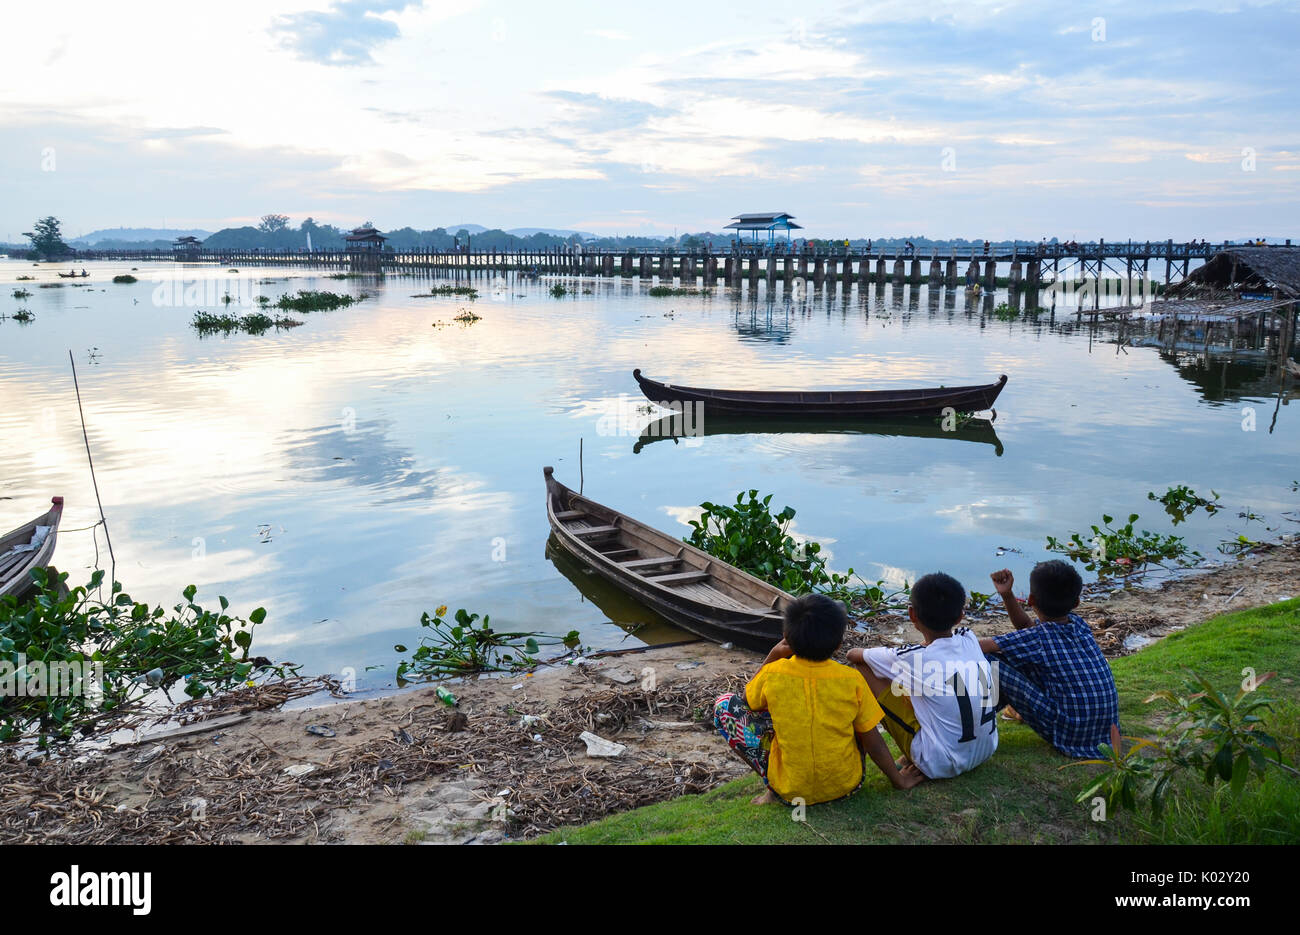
(1249, 270)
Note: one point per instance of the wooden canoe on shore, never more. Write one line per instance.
(683, 584)
(29, 546)
(840, 404)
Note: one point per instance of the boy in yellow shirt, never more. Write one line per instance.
(805, 720)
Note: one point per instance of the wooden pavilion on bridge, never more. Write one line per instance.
(771, 222)
(186, 248)
(365, 240)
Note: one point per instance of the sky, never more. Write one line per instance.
(946, 119)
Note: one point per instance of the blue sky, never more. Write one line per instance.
(972, 119)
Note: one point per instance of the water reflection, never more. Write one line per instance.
(672, 428)
(618, 607)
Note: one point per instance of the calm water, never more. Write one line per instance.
(367, 466)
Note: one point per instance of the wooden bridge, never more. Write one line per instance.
(1029, 267)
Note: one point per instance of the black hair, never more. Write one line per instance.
(1055, 586)
(939, 600)
(814, 626)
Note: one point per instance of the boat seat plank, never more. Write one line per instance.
(13, 560)
(595, 531)
(616, 554)
(651, 562)
(705, 592)
(565, 515)
(685, 577)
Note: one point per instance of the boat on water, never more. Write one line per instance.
(694, 590)
(29, 546)
(677, 427)
(860, 404)
(74, 275)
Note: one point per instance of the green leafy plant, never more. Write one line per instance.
(1006, 312)
(466, 646)
(24, 315)
(1206, 735)
(660, 292)
(1182, 501)
(125, 279)
(307, 300)
(1241, 545)
(468, 291)
(558, 291)
(22, 294)
(133, 646)
(749, 536)
(1119, 550)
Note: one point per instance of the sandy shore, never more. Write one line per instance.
(509, 762)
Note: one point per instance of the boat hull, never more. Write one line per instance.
(725, 604)
(837, 404)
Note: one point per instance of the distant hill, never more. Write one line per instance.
(133, 235)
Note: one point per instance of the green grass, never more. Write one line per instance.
(1022, 795)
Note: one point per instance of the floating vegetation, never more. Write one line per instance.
(1118, 550)
(24, 315)
(22, 294)
(252, 323)
(25, 278)
(756, 540)
(125, 278)
(661, 291)
(263, 300)
(311, 301)
(345, 275)
(136, 647)
(468, 291)
(467, 317)
(559, 291)
(1182, 501)
(51, 285)
(468, 646)
(232, 270)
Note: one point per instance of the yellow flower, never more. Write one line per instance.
(440, 611)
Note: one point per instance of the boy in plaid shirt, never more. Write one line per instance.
(1051, 672)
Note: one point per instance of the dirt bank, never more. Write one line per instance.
(508, 763)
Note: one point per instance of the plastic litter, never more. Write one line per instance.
(599, 746)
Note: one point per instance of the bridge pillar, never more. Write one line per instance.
(973, 273)
(753, 270)
(1015, 275)
(880, 269)
(607, 264)
(819, 271)
(936, 271)
(831, 264)
(711, 270)
(665, 267)
(990, 275)
(1033, 273)
(645, 266)
(864, 269)
(950, 271)
(803, 266)
(729, 272)
(915, 275)
(899, 273)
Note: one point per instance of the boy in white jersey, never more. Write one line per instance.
(937, 696)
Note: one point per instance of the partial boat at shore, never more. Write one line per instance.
(840, 404)
(27, 547)
(681, 583)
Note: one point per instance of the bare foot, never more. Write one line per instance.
(766, 797)
(1010, 714)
